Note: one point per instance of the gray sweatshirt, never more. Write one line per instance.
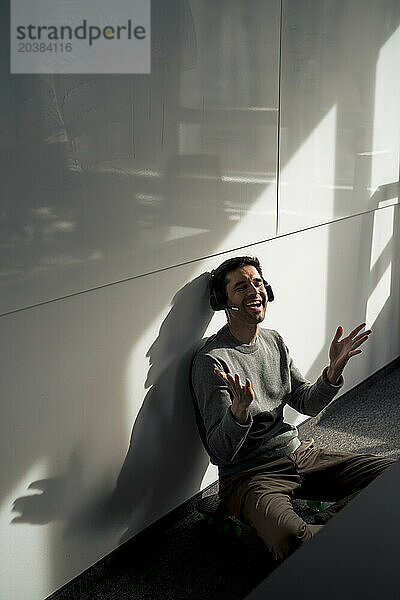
(275, 381)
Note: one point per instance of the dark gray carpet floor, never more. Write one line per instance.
(181, 557)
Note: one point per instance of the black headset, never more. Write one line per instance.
(215, 299)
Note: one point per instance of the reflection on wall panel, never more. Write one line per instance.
(334, 168)
(112, 365)
(108, 177)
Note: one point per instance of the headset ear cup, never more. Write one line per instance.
(268, 289)
(214, 303)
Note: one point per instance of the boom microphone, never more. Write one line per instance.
(231, 307)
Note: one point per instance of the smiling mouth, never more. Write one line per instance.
(254, 304)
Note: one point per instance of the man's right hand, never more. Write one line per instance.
(243, 395)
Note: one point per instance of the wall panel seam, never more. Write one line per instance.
(194, 260)
(278, 144)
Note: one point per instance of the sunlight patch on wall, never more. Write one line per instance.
(382, 233)
(142, 369)
(379, 297)
(305, 284)
(384, 170)
(386, 146)
(307, 183)
(210, 476)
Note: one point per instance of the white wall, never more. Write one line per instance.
(157, 179)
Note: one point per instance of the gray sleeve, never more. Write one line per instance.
(310, 398)
(224, 435)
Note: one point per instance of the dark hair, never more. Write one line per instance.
(220, 273)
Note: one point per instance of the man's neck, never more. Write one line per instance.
(245, 335)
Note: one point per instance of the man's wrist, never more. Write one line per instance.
(240, 415)
(333, 375)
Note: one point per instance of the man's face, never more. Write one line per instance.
(245, 289)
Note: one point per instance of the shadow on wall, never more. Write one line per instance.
(165, 462)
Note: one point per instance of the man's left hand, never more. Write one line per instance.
(341, 350)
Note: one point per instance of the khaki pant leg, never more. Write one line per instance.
(279, 526)
(338, 476)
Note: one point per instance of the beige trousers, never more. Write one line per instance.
(261, 497)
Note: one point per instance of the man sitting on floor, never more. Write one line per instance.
(242, 378)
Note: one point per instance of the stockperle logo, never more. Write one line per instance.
(95, 36)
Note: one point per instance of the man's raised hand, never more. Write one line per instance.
(341, 350)
(243, 395)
